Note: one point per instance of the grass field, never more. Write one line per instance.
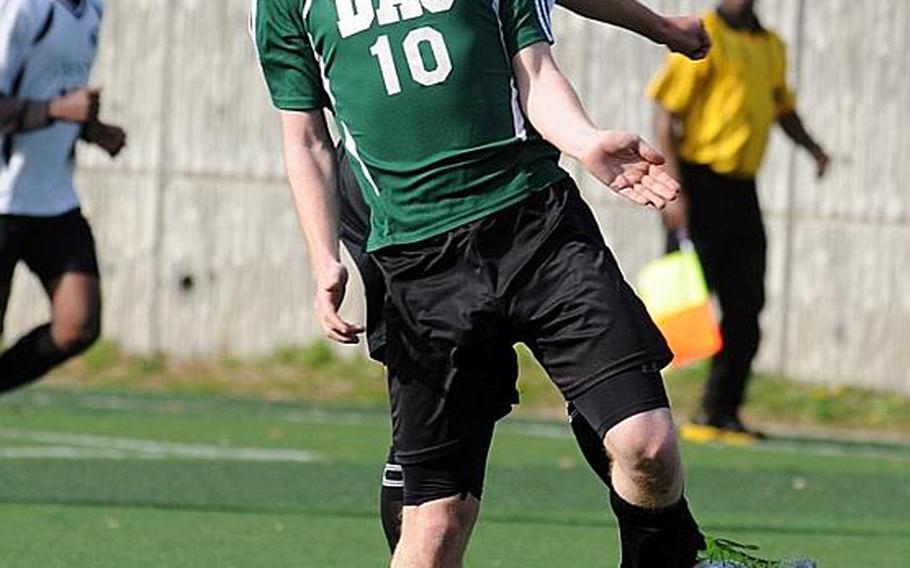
(111, 478)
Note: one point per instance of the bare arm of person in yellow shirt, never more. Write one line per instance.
(684, 34)
(665, 128)
(793, 126)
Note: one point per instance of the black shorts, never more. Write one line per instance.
(49, 246)
(537, 272)
(355, 228)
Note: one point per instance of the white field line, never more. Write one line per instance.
(109, 447)
(63, 453)
(125, 403)
(530, 430)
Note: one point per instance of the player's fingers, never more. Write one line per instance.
(339, 326)
(656, 187)
(649, 153)
(337, 330)
(663, 184)
(634, 195)
(341, 338)
(653, 199)
(665, 178)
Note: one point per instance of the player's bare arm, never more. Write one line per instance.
(311, 168)
(684, 34)
(620, 160)
(793, 126)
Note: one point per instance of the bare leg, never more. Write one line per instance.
(435, 534)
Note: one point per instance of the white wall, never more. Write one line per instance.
(200, 194)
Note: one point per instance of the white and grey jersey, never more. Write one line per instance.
(47, 47)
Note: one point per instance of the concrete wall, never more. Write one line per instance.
(201, 255)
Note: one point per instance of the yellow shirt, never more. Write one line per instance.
(728, 101)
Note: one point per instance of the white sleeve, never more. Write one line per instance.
(17, 23)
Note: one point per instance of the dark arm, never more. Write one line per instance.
(684, 35)
(24, 115)
(793, 126)
(21, 115)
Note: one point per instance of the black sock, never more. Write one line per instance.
(390, 502)
(591, 445)
(29, 359)
(657, 538)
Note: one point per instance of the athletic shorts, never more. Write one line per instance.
(538, 272)
(355, 227)
(49, 246)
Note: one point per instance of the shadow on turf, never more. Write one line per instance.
(492, 517)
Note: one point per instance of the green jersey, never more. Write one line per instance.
(423, 96)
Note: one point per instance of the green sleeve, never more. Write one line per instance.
(286, 56)
(524, 22)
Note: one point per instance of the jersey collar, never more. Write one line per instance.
(76, 7)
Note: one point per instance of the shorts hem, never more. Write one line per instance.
(615, 418)
(637, 361)
(427, 454)
(410, 501)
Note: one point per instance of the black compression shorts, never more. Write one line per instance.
(537, 272)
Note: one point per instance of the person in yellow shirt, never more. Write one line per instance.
(713, 121)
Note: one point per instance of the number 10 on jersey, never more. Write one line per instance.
(382, 51)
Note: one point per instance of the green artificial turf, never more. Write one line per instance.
(113, 478)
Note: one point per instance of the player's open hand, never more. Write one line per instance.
(688, 36)
(631, 168)
(80, 106)
(110, 138)
(330, 288)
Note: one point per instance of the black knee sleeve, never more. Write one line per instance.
(459, 473)
(591, 445)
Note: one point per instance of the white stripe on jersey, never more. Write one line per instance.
(543, 16)
(350, 145)
(518, 117)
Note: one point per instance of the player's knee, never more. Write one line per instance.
(76, 338)
(645, 444)
(444, 528)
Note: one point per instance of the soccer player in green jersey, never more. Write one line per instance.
(483, 241)
(685, 35)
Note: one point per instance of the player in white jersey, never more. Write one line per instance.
(47, 48)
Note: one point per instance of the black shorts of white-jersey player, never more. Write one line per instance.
(46, 51)
(354, 225)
